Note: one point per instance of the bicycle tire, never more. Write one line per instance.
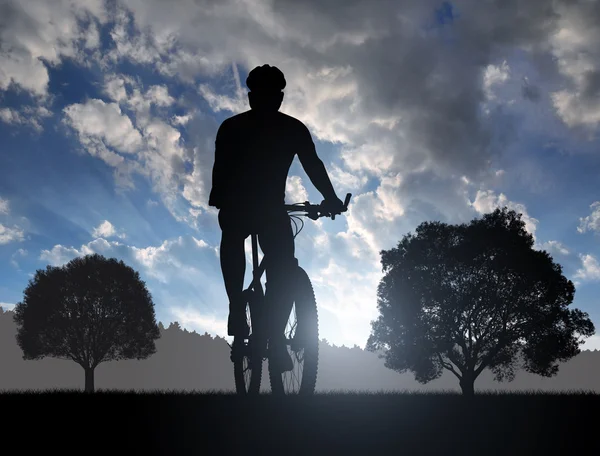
(250, 359)
(305, 308)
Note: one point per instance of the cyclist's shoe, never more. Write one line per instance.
(237, 325)
(280, 357)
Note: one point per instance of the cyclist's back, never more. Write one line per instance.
(254, 153)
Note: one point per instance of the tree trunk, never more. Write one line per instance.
(467, 384)
(89, 379)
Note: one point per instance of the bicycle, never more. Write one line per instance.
(301, 335)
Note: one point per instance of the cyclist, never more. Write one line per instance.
(253, 153)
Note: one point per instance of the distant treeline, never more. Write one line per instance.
(189, 361)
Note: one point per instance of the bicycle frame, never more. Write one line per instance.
(313, 211)
(258, 342)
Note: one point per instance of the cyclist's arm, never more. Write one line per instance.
(314, 167)
(218, 172)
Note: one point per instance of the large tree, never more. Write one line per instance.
(474, 296)
(90, 310)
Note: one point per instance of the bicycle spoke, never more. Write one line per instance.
(292, 380)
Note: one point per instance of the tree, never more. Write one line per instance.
(474, 296)
(90, 310)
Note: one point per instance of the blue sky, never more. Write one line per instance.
(423, 110)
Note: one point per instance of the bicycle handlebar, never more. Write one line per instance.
(314, 211)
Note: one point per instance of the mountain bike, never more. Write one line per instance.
(302, 328)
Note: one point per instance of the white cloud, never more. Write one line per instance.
(8, 234)
(58, 255)
(105, 230)
(592, 221)
(183, 275)
(153, 148)
(590, 268)
(295, 191)
(36, 32)
(403, 111)
(96, 121)
(199, 321)
(346, 182)
(554, 247)
(18, 253)
(575, 110)
(29, 115)
(6, 306)
(4, 207)
(487, 201)
(591, 343)
(181, 120)
(220, 103)
(573, 45)
(495, 75)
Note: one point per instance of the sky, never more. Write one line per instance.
(423, 110)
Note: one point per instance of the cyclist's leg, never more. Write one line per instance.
(277, 242)
(233, 267)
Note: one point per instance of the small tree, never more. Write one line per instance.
(470, 297)
(90, 310)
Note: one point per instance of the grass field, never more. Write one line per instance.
(172, 423)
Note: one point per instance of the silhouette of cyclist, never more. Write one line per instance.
(253, 153)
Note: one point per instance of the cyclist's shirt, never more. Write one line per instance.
(253, 154)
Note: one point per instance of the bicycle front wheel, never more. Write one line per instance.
(247, 355)
(302, 339)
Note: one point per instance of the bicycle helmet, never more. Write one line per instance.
(266, 78)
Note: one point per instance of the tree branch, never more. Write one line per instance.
(448, 366)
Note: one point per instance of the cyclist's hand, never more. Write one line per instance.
(332, 206)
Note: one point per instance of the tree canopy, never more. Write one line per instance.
(90, 311)
(474, 296)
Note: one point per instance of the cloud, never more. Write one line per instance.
(37, 34)
(151, 147)
(182, 274)
(200, 322)
(99, 122)
(576, 53)
(398, 97)
(4, 207)
(495, 75)
(18, 253)
(171, 261)
(32, 116)
(590, 269)
(181, 120)
(219, 103)
(591, 343)
(338, 78)
(592, 221)
(295, 191)
(6, 306)
(487, 201)
(106, 230)
(11, 234)
(554, 247)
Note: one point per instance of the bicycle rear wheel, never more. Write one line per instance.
(247, 355)
(302, 338)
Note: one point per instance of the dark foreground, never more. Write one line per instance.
(128, 423)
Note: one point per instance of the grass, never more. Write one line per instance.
(330, 422)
